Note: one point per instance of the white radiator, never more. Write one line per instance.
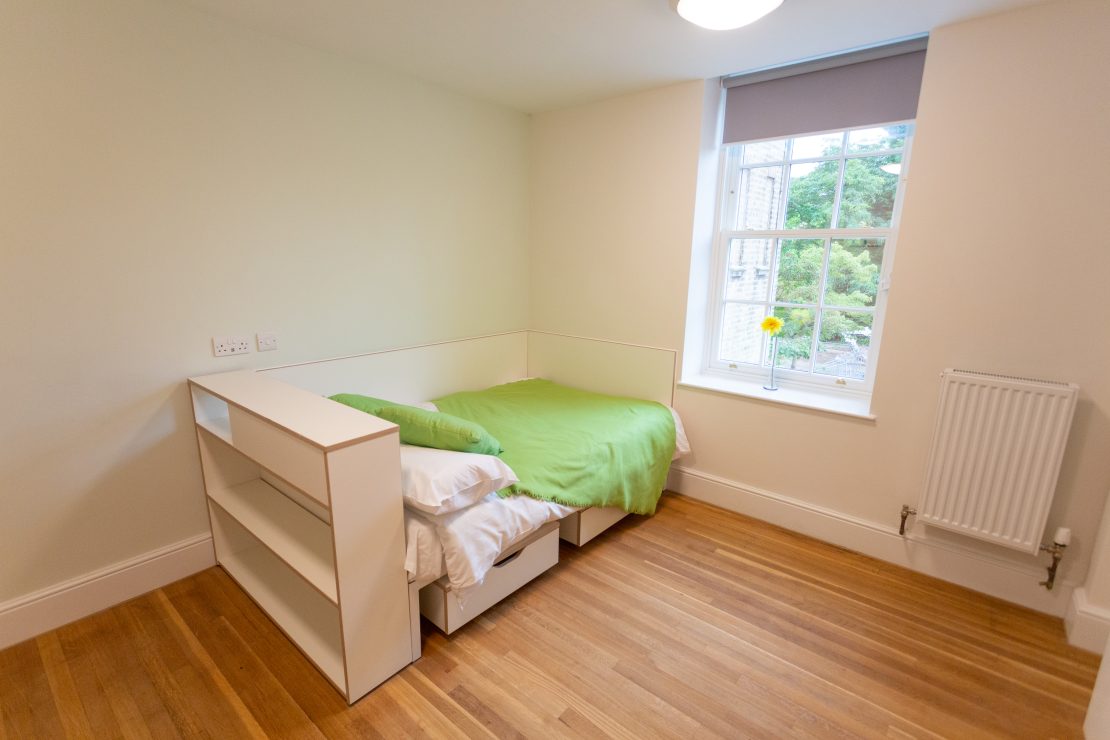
(995, 456)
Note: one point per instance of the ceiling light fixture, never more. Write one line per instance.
(724, 15)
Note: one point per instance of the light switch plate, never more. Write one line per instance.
(267, 341)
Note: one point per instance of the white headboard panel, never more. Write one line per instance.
(415, 374)
(602, 366)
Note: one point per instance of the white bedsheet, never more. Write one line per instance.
(423, 552)
(465, 544)
(681, 443)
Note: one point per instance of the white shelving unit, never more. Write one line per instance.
(306, 512)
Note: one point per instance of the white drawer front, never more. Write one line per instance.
(438, 602)
(583, 526)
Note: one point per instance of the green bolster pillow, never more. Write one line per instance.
(439, 430)
(368, 404)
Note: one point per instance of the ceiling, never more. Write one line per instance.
(536, 55)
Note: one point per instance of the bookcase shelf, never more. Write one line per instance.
(305, 506)
(220, 426)
(310, 620)
(294, 535)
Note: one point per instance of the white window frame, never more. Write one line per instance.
(785, 377)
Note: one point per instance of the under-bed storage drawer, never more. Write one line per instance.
(439, 604)
(581, 527)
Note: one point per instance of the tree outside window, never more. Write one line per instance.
(807, 227)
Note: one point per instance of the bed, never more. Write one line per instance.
(344, 574)
(575, 435)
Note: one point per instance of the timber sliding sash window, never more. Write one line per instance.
(813, 163)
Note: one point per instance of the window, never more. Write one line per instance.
(806, 233)
(798, 199)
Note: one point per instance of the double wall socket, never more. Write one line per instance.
(222, 346)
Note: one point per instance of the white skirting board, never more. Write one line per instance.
(27, 616)
(1088, 625)
(968, 568)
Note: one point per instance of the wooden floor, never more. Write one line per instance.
(693, 623)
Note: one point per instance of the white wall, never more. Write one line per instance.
(1096, 725)
(1088, 614)
(167, 176)
(1000, 267)
(610, 216)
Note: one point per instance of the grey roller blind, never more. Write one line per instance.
(872, 86)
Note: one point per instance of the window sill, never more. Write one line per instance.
(857, 407)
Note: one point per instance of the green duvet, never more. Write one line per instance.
(574, 447)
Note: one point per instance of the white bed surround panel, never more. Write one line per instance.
(616, 368)
(415, 374)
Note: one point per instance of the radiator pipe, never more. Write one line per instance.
(1057, 548)
(906, 512)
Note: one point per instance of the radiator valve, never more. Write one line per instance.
(907, 512)
(1060, 542)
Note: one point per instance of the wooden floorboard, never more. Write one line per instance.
(696, 622)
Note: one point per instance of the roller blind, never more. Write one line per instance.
(875, 85)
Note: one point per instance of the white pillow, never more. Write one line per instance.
(441, 481)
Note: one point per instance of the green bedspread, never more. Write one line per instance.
(574, 447)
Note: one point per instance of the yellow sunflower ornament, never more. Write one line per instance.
(772, 325)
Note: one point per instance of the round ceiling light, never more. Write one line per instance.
(724, 15)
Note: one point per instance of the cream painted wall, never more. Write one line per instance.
(999, 265)
(997, 90)
(1098, 578)
(1088, 615)
(1096, 725)
(166, 177)
(610, 219)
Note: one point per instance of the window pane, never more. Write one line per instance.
(760, 198)
(812, 189)
(749, 269)
(764, 151)
(741, 337)
(867, 199)
(796, 338)
(875, 139)
(854, 268)
(821, 145)
(844, 343)
(800, 262)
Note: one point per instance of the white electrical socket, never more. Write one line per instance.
(267, 341)
(222, 346)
